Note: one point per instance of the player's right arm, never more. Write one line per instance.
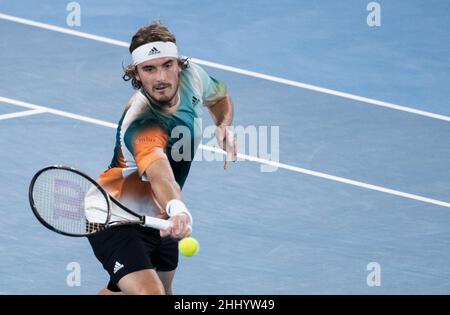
(167, 193)
(147, 141)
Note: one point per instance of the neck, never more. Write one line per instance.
(167, 108)
(174, 102)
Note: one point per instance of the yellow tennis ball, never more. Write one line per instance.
(189, 246)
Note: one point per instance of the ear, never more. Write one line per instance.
(136, 74)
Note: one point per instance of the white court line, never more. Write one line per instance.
(22, 114)
(63, 30)
(58, 112)
(245, 157)
(305, 86)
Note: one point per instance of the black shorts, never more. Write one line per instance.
(129, 248)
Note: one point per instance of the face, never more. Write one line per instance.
(160, 78)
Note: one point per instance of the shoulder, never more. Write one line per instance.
(195, 77)
(137, 108)
(139, 116)
(195, 71)
(146, 131)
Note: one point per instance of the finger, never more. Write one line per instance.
(182, 227)
(187, 231)
(221, 143)
(225, 164)
(178, 227)
(180, 223)
(230, 153)
(229, 156)
(175, 235)
(165, 232)
(220, 137)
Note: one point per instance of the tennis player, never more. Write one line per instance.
(146, 173)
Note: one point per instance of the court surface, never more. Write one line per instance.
(364, 152)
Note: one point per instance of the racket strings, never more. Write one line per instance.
(63, 198)
(92, 227)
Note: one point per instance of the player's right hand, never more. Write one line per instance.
(181, 227)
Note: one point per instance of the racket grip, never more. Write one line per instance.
(156, 223)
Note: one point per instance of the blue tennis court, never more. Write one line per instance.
(364, 153)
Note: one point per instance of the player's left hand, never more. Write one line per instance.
(227, 142)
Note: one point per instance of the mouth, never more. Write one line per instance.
(161, 87)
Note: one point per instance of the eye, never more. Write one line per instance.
(169, 65)
(148, 69)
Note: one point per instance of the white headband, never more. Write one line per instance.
(154, 50)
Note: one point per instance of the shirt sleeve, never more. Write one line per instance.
(212, 89)
(147, 144)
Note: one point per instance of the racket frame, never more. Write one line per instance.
(140, 218)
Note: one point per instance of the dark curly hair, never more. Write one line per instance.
(155, 32)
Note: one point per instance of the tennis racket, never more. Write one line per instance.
(71, 203)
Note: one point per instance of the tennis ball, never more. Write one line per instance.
(189, 246)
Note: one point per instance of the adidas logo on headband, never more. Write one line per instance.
(153, 51)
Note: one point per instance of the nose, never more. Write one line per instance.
(161, 75)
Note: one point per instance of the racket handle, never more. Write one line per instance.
(156, 223)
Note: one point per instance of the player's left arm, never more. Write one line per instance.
(222, 111)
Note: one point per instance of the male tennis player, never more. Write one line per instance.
(145, 173)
